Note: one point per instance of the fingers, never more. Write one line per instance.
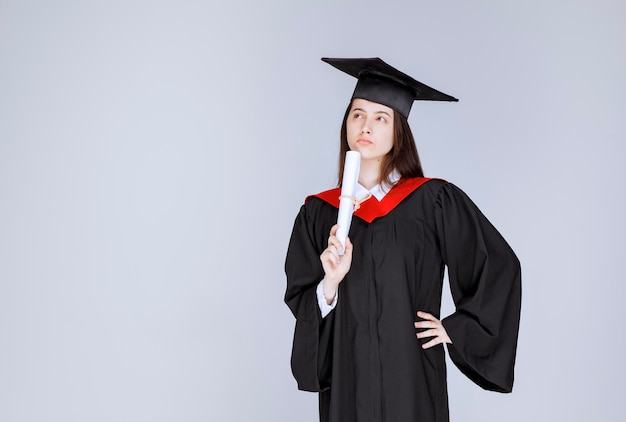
(336, 265)
(432, 327)
(427, 333)
(427, 324)
(332, 261)
(426, 315)
(348, 250)
(430, 321)
(330, 255)
(437, 338)
(435, 341)
(333, 240)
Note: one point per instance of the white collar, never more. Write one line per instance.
(380, 190)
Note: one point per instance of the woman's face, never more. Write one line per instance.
(369, 129)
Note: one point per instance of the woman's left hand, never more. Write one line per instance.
(434, 328)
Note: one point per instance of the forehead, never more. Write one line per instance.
(370, 106)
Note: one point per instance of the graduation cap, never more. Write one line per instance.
(384, 84)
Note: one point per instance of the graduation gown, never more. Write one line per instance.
(364, 358)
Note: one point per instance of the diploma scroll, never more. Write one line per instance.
(347, 200)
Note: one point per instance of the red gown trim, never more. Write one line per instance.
(372, 208)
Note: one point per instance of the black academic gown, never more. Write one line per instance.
(364, 358)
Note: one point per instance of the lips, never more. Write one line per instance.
(363, 141)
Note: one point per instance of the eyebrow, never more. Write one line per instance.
(376, 112)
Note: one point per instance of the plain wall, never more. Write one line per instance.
(153, 156)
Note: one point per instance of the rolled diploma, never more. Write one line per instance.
(351, 170)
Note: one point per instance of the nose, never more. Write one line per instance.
(365, 128)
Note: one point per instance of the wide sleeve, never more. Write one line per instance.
(485, 281)
(312, 342)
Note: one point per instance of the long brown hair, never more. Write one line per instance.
(403, 155)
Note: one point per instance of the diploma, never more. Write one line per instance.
(347, 200)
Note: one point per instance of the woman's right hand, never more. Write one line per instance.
(335, 266)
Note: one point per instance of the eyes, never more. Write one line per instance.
(379, 118)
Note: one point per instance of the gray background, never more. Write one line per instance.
(153, 156)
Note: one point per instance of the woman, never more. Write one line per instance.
(368, 334)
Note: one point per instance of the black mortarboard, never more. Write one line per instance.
(384, 84)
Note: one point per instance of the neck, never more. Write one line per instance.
(370, 174)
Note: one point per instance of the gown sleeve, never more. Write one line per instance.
(312, 342)
(485, 281)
